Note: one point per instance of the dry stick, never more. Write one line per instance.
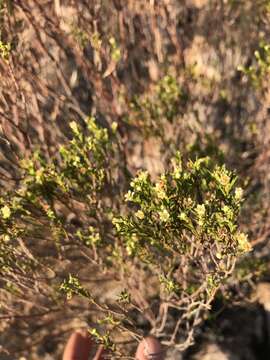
(18, 128)
(13, 316)
(89, 71)
(164, 308)
(64, 99)
(58, 68)
(20, 92)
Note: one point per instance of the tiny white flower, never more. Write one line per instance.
(114, 126)
(139, 214)
(143, 176)
(183, 216)
(164, 215)
(200, 210)
(238, 193)
(74, 127)
(5, 212)
(160, 191)
(129, 196)
(177, 173)
(243, 243)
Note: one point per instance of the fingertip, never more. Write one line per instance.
(149, 348)
(78, 346)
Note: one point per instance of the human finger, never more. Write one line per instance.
(149, 349)
(78, 346)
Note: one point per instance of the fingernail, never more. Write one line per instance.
(149, 349)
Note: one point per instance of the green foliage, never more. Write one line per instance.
(115, 50)
(258, 72)
(105, 340)
(78, 174)
(183, 228)
(249, 269)
(180, 230)
(151, 112)
(80, 169)
(79, 35)
(199, 201)
(5, 50)
(72, 286)
(96, 41)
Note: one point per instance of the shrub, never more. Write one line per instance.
(178, 233)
